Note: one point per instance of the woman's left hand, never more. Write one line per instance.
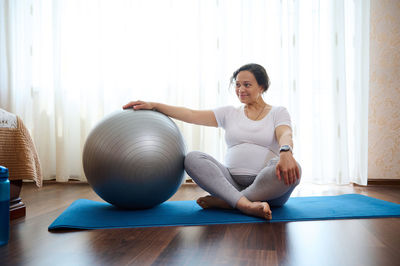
(287, 168)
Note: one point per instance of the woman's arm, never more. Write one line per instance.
(198, 117)
(287, 165)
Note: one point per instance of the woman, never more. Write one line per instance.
(260, 170)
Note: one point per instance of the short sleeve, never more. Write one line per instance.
(221, 113)
(282, 117)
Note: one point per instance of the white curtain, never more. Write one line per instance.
(66, 64)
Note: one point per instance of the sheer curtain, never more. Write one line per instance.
(66, 64)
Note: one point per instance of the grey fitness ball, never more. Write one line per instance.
(135, 159)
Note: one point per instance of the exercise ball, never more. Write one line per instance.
(134, 159)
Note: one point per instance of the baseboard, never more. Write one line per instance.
(384, 182)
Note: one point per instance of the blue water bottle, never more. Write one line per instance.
(4, 206)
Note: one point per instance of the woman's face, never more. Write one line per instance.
(247, 89)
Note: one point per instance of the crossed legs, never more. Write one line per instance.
(254, 199)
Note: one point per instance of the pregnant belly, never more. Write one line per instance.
(247, 159)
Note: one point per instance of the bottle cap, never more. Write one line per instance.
(3, 172)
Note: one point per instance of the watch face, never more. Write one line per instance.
(285, 148)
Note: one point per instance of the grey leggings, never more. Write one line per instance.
(216, 179)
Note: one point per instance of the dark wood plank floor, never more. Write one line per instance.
(340, 242)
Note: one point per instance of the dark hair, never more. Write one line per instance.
(259, 73)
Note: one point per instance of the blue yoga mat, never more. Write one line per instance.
(87, 214)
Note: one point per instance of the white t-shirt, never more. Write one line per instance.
(251, 144)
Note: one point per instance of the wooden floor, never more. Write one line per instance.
(340, 242)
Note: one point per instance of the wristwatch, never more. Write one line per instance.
(284, 148)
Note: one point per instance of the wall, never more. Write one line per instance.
(384, 104)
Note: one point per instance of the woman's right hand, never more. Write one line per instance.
(137, 105)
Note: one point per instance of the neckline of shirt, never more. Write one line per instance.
(243, 113)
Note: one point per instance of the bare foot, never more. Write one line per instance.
(257, 208)
(208, 202)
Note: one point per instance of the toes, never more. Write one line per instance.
(268, 215)
(268, 212)
(202, 204)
